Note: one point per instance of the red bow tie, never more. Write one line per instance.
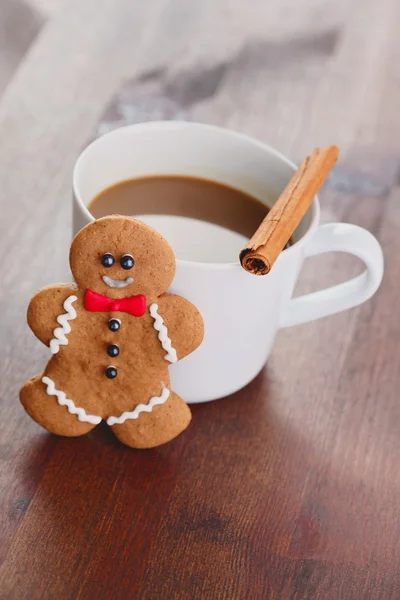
(134, 305)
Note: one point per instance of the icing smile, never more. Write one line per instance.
(117, 283)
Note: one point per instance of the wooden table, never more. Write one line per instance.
(289, 489)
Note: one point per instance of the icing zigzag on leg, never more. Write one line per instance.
(140, 408)
(64, 401)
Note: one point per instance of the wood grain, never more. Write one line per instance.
(289, 489)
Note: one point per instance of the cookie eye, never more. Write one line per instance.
(107, 260)
(127, 261)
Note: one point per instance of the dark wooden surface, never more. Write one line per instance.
(289, 489)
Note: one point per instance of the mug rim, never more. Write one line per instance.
(147, 125)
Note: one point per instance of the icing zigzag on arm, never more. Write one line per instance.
(163, 334)
(60, 333)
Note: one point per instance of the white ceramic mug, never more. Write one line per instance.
(241, 312)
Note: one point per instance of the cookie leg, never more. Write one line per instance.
(44, 408)
(150, 429)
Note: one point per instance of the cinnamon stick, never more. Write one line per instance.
(275, 231)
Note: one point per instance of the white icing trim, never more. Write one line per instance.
(154, 401)
(163, 334)
(59, 333)
(72, 409)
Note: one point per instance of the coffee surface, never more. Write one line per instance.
(189, 197)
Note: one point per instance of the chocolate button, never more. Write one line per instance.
(114, 324)
(113, 350)
(111, 372)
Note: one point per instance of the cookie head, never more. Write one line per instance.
(119, 256)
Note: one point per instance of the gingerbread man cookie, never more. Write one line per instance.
(112, 336)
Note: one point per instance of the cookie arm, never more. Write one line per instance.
(183, 321)
(44, 308)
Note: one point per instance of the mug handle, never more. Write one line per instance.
(338, 237)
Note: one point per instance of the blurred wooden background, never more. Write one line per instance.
(290, 489)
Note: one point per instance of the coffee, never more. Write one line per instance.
(203, 220)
